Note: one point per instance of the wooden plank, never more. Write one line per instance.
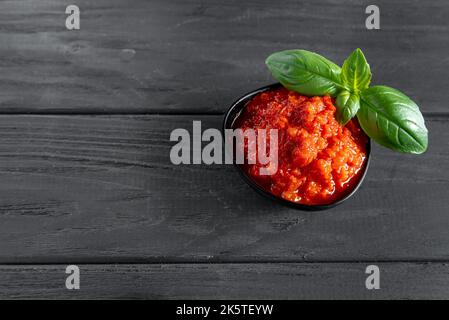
(102, 189)
(198, 56)
(227, 281)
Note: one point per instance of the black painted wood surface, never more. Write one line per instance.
(102, 188)
(198, 56)
(227, 281)
(85, 175)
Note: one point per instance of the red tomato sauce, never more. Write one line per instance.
(319, 160)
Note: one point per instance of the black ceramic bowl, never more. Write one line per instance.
(230, 117)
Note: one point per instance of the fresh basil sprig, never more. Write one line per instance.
(385, 114)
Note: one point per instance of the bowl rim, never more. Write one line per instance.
(232, 114)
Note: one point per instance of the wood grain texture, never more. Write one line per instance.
(227, 281)
(198, 56)
(102, 189)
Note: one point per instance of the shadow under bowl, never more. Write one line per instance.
(228, 123)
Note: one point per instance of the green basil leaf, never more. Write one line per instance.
(305, 72)
(347, 106)
(356, 72)
(392, 119)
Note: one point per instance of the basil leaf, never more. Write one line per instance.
(356, 72)
(347, 106)
(392, 119)
(305, 72)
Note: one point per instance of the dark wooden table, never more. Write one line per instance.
(85, 175)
